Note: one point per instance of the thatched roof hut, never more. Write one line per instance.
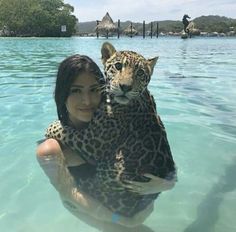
(130, 30)
(106, 25)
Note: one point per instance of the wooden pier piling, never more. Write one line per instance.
(151, 29)
(118, 29)
(143, 29)
(97, 33)
(131, 29)
(157, 29)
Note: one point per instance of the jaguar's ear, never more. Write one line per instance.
(152, 62)
(107, 51)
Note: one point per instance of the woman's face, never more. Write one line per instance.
(84, 98)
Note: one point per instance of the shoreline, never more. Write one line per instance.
(125, 36)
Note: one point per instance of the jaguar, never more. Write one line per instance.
(125, 138)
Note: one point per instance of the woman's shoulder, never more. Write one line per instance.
(48, 147)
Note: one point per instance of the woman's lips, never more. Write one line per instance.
(85, 109)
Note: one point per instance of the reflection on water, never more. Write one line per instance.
(208, 210)
(194, 86)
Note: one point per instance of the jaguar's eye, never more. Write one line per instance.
(140, 72)
(118, 66)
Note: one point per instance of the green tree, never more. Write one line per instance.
(37, 17)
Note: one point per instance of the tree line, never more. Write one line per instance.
(37, 18)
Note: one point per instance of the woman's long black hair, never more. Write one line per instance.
(68, 71)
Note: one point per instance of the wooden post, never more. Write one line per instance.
(151, 28)
(157, 29)
(143, 29)
(97, 30)
(107, 34)
(131, 30)
(118, 33)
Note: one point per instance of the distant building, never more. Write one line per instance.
(106, 26)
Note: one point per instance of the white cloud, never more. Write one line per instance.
(150, 10)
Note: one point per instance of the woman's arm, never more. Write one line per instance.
(54, 162)
(80, 202)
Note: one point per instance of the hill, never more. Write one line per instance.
(214, 23)
(209, 23)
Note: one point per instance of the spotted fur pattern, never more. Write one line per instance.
(125, 138)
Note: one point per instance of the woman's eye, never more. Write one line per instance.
(94, 90)
(75, 91)
(118, 66)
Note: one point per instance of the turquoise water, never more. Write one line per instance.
(194, 85)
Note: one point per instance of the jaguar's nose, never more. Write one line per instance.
(125, 88)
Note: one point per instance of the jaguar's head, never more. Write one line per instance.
(127, 73)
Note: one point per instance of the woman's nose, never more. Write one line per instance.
(86, 99)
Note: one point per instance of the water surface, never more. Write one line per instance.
(194, 86)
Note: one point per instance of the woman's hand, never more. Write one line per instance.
(155, 185)
(104, 214)
(138, 218)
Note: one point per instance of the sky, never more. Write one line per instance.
(150, 10)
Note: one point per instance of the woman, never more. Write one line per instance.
(78, 94)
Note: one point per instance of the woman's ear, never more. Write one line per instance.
(107, 51)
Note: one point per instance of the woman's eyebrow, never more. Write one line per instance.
(78, 86)
(82, 86)
(94, 86)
